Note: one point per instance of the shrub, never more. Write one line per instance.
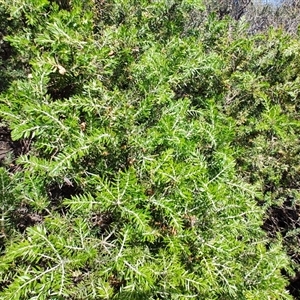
(129, 188)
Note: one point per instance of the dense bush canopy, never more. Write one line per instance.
(145, 146)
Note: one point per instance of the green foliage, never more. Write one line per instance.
(139, 182)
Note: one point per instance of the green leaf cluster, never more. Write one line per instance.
(149, 153)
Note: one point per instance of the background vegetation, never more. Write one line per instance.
(149, 150)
